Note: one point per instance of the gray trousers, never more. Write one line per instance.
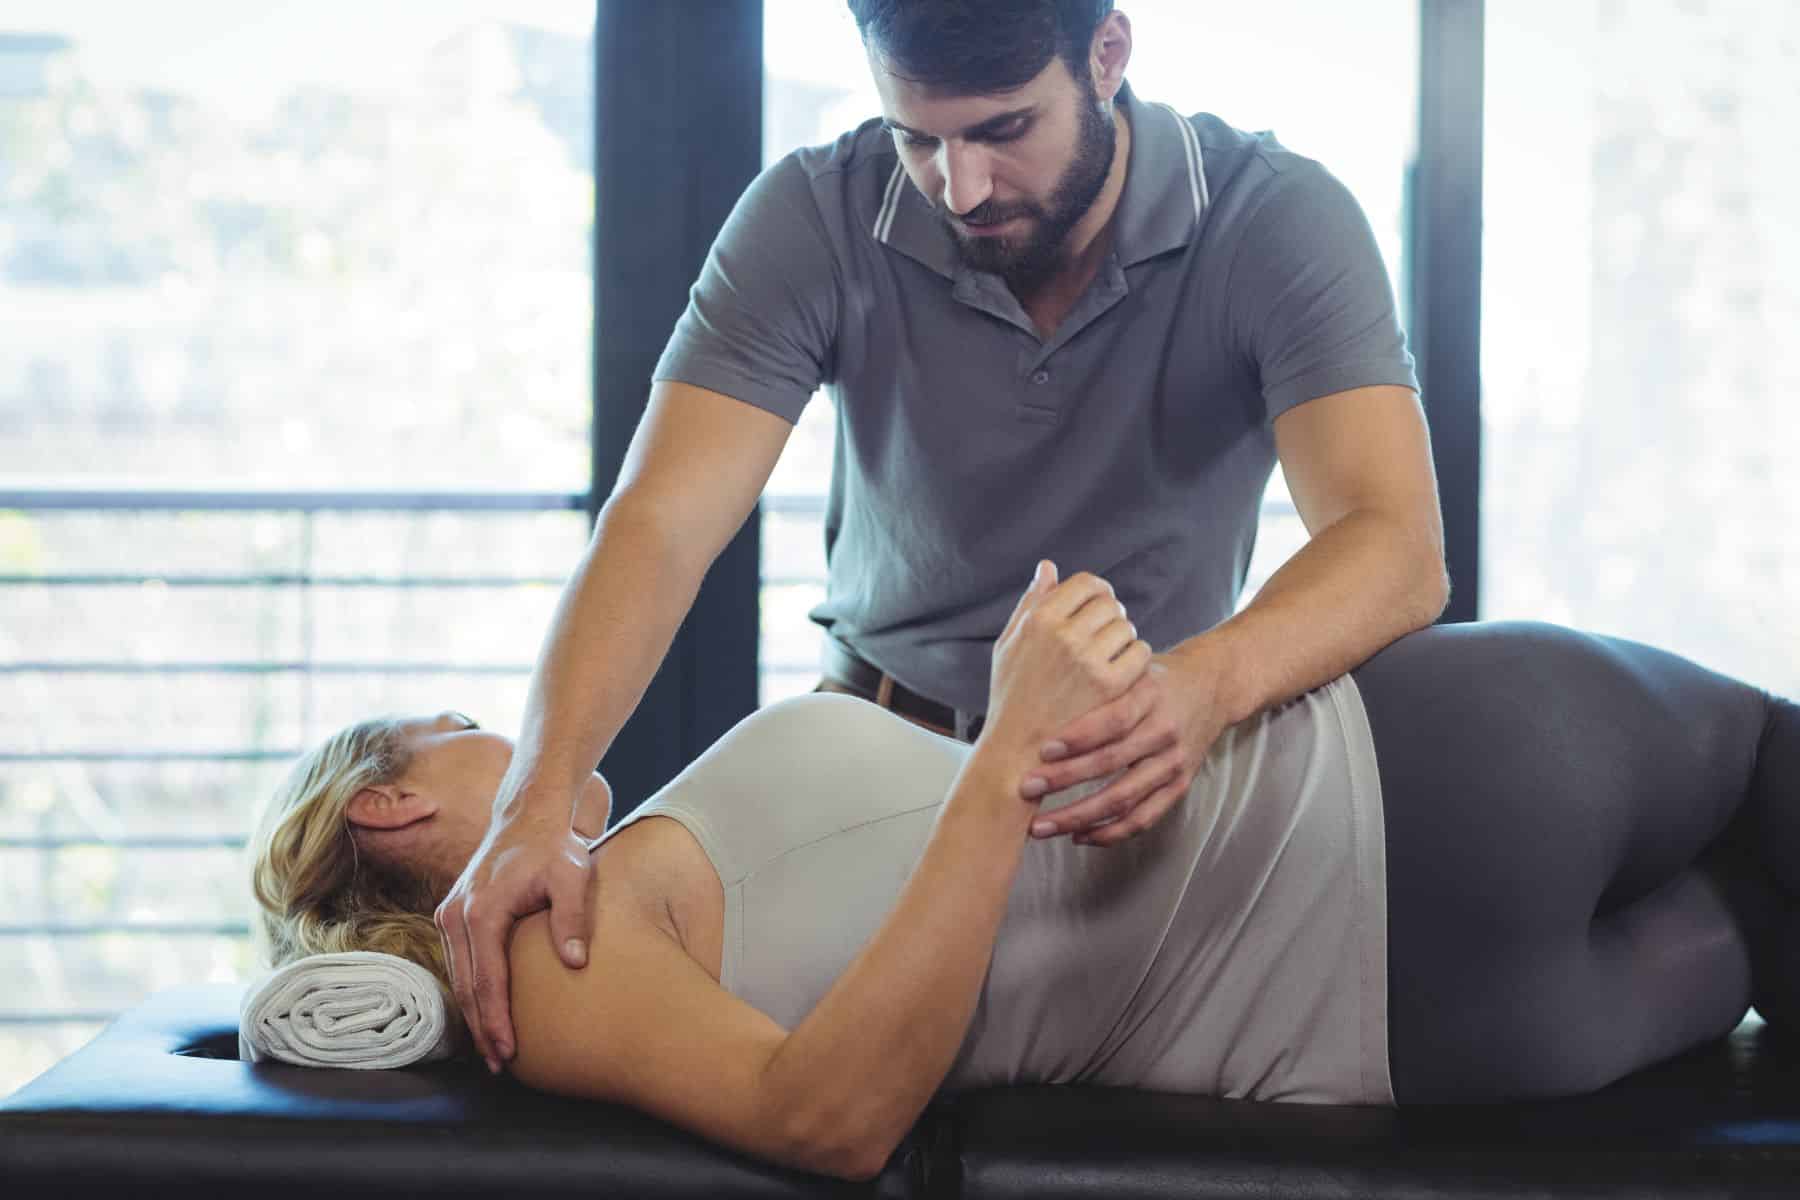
(1593, 855)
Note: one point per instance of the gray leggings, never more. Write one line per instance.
(1593, 854)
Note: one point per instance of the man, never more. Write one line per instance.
(1060, 323)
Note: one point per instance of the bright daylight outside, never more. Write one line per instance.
(303, 247)
(341, 247)
(1640, 292)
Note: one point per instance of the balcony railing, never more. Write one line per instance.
(308, 506)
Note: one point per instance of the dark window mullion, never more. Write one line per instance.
(1444, 276)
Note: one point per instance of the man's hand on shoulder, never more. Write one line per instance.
(531, 859)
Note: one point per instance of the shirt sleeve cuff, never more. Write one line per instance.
(1329, 381)
(785, 402)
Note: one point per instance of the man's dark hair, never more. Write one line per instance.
(967, 47)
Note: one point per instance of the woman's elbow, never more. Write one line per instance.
(858, 1165)
(823, 1144)
(872, 1160)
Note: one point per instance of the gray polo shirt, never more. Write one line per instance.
(1135, 442)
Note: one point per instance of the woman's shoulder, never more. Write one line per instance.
(656, 873)
(821, 750)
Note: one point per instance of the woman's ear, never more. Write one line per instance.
(386, 806)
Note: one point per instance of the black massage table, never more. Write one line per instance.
(159, 1105)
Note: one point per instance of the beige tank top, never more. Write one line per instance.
(1237, 948)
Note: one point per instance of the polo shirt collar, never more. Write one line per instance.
(1165, 183)
(1160, 207)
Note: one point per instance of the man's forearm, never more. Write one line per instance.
(1347, 593)
(611, 630)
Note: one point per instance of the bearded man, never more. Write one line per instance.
(1058, 322)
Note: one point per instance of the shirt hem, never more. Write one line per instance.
(1370, 851)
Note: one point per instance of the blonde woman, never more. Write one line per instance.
(1494, 862)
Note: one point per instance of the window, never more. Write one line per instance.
(294, 419)
(1641, 286)
(1336, 82)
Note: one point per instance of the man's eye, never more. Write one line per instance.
(1009, 133)
(916, 142)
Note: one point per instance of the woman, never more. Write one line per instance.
(1494, 862)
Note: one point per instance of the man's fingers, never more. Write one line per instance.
(568, 913)
(1116, 800)
(1103, 728)
(453, 928)
(487, 950)
(1148, 812)
(1067, 772)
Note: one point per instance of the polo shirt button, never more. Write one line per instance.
(1040, 377)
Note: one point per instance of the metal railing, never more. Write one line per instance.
(305, 504)
(308, 505)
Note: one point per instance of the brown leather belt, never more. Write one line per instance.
(872, 683)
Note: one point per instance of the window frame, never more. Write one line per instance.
(661, 71)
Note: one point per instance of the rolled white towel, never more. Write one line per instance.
(358, 1009)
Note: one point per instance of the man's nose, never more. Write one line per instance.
(968, 181)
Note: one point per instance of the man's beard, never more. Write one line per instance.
(1026, 263)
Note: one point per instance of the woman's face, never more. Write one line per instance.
(442, 805)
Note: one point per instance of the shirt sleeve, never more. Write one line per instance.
(1312, 295)
(762, 317)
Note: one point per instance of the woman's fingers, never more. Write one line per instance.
(1090, 623)
(1043, 579)
(1132, 661)
(1093, 655)
(1078, 592)
(1066, 652)
(1062, 601)
(1051, 607)
(1097, 614)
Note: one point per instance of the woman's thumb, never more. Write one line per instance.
(1041, 579)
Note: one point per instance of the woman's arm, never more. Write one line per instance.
(857, 1072)
(647, 1026)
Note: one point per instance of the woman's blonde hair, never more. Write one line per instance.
(315, 892)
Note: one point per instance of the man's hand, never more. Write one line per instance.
(1162, 729)
(525, 863)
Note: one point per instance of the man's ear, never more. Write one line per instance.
(1109, 54)
(386, 806)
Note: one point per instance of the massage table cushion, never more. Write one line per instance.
(158, 1104)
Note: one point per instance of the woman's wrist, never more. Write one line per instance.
(999, 763)
(1000, 742)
